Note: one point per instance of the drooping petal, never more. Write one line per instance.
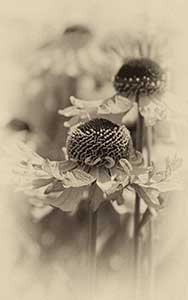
(97, 197)
(152, 110)
(124, 203)
(172, 184)
(38, 213)
(110, 162)
(131, 116)
(83, 103)
(69, 111)
(148, 194)
(77, 178)
(135, 157)
(37, 183)
(119, 178)
(103, 179)
(58, 168)
(73, 121)
(115, 105)
(69, 199)
(125, 165)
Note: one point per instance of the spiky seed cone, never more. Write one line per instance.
(96, 140)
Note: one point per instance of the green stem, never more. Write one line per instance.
(92, 258)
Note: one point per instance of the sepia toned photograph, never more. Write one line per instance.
(93, 150)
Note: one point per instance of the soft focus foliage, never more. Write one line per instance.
(43, 249)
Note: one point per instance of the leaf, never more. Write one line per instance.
(148, 194)
(77, 178)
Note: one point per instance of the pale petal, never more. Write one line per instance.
(119, 178)
(116, 104)
(125, 165)
(152, 110)
(73, 121)
(110, 162)
(58, 168)
(83, 103)
(149, 195)
(103, 179)
(90, 162)
(69, 111)
(131, 116)
(38, 213)
(77, 178)
(169, 185)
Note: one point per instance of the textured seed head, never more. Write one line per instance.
(142, 76)
(97, 140)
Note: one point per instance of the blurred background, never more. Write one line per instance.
(49, 51)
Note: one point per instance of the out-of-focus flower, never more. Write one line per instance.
(101, 166)
(141, 82)
(74, 52)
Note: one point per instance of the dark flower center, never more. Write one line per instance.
(142, 77)
(97, 140)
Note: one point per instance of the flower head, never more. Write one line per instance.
(141, 81)
(95, 141)
(143, 77)
(102, 165)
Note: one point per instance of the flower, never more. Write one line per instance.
(73, 52)
(94, 149)
(101, 166)
(141, 81)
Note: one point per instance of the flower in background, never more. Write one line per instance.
(101, 166)
(141, 82)
(74, 52)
